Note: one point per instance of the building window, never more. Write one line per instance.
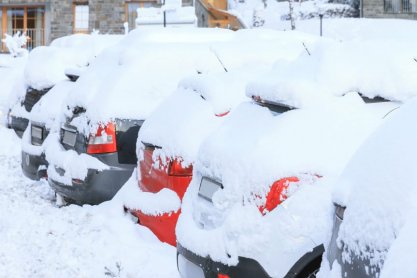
(29, 20)
(81, 17)
(400, 6)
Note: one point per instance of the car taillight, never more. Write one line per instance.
(220, 275)
(104, 141)
(222, 114)
(277, 194)
(176, 169)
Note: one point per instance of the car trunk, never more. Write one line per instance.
(156, 175)
(126, 136)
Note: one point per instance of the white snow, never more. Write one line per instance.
(183, 16)
(378, 190)
(38, 239)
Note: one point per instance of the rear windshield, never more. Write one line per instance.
(274, 107)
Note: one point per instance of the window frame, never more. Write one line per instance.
(74, 15)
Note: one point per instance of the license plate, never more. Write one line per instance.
(188, 269)
(69, 138)
(37, 132)
(208, 187)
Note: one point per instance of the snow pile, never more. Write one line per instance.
(383, 165)
(247, 153)
(359, 29)
(257, 13)
(337, 68)
(174, 16)
(39, 239)
(46, 65)
(165, 201)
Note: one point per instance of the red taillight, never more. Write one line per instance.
(219, 275)
(222, 114)
(277, 194)
(104, 141)
(176, 169)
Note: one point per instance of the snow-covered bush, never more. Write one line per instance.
(16, 43)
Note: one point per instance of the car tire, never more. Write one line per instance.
(311, 270)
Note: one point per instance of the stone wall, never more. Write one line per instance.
(107, 16)
(375, 9)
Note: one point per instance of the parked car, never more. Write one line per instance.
(259, 201)
(43, 120)
(169, 139)
(46, 67)
(374, 204)
(95, 152)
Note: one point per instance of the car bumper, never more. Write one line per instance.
(98, 186)
(18, 124)
(357, 267)
(195, 266)
(32, 166)
(163, 226)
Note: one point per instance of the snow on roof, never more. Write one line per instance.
(50, 105)
(334, 68)
(147, 65)
(378, 186)
(205, 97)
(155, 16)
(46, 64)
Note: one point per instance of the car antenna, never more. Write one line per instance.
(218, 58)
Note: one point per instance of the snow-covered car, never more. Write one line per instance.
(259, 202)
(46, 67)
(95, 152)
(169, 139)
(43, 120)
(374, 204)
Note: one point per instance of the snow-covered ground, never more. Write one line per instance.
(38, 239)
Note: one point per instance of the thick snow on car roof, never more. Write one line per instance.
(336, 68)
(46, 64)
(378, 186)
(144, 69)
(206, 95)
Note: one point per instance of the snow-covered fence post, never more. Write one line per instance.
(292, 19)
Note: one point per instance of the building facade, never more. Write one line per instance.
(402, 9)
(46, 20)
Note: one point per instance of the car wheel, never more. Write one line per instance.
(311, 270)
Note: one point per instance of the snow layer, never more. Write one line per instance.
(46, 65)
(38, 239)
(247, 153)
(383, 165)
(337, 68)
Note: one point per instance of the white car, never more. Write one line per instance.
(259, 203)
(170, 137)
(46, 67)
